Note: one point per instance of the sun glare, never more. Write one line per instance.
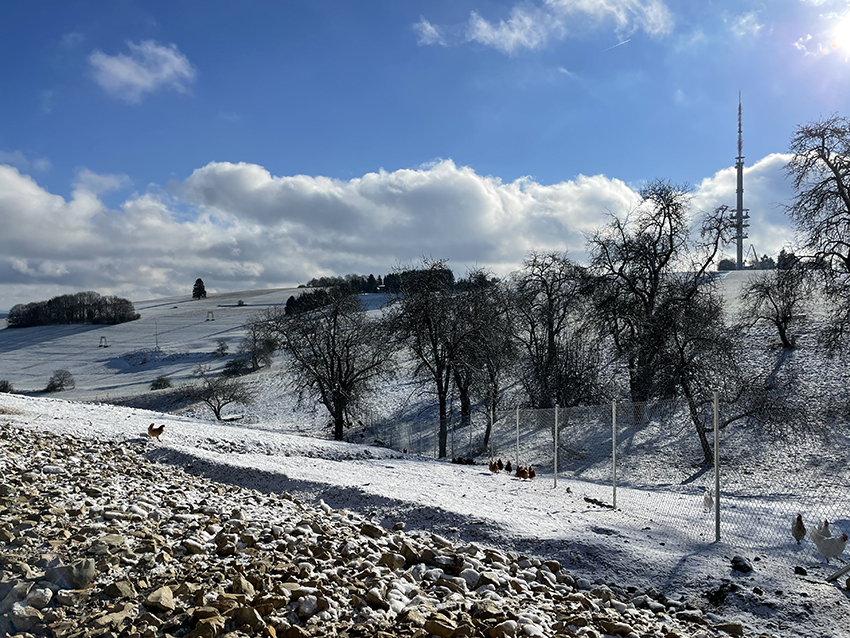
(841, 34)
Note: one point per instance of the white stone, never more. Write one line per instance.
(307, 605)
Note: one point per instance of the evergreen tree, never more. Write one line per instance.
(371, 284)
(199, 292)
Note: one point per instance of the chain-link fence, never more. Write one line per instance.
(649, 460)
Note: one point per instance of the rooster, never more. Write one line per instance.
(155, 432)
(508, 467)
(707, 501)
(798, 529)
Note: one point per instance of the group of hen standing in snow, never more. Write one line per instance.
(522, 471)
(828, 546)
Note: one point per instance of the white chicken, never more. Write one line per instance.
(829, 546)
(707, 500)
(822, 529)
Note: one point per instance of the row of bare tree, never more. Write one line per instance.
(643, 321)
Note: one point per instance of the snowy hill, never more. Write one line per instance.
(659, 537)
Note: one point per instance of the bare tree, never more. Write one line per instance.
(219, 391)
(820, 169)
(640, 262)
(336, 351)
(559, 356)
(421, 319)
(259, 343)
(778, 297)
(483, 347)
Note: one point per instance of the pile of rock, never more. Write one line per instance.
(97, 541)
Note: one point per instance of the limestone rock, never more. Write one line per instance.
(161, 599)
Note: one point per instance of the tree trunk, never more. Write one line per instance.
(488, 429)
(783, 336)
(462, 384)
(707, 454)
(444, 424)
(338, 418)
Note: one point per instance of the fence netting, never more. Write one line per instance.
(648, 459)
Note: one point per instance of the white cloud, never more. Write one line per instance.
(650, 16)
(148, 68)
(245, 228)
(745, 25)
(525, 29)
(802, 44)
(829, 36)
(532, 27)
(250, 229)
(21, 161)
(98, 184)
(427, 33)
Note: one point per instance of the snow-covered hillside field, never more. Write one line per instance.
(659, 536)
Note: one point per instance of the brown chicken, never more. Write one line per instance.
(494, 467)
(798, 529)
(531, 472)
(155, 432)
(521, 472)
(500, 464)
(508, 467)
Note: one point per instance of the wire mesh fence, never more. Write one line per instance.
(648, 460)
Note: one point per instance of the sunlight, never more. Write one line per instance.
(841, 34)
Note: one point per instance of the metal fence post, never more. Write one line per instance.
(517, 436)
(555, 466)
(716, 467)
(614, 449)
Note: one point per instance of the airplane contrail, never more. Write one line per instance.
(619, 44)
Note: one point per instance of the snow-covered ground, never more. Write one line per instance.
(658, 537)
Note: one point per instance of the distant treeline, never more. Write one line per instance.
(80, 307)
(392, 283)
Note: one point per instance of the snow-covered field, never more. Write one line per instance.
(659, 536)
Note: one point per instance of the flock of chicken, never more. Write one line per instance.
(828, 546)
(522, 471)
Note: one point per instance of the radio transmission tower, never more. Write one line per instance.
(742, 215)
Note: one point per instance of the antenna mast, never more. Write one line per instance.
(741, 213)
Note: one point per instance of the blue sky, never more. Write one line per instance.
(260, 144)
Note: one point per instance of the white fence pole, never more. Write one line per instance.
(555, 467)
(716, 467)
(614, 449)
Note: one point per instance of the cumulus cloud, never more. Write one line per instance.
(530, 26)
(240, 227)
(148, 68)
